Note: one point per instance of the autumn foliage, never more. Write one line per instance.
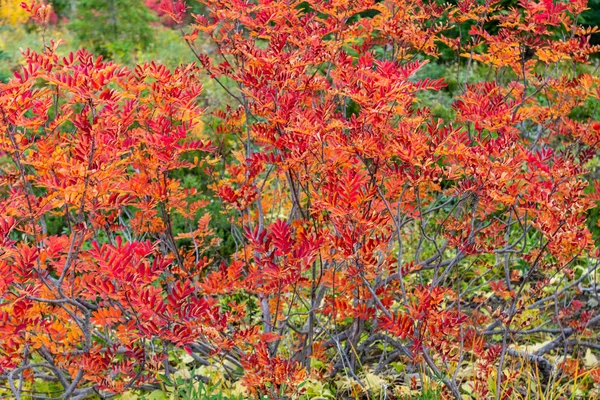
(365, 228)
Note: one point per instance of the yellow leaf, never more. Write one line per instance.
(238, 390)
(590, 360)
(129, 396)
(466, 372)
(467, 387)
(375, 382)
(198, 129)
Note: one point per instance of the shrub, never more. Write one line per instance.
(368, 234)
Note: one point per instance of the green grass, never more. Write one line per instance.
(166, 48)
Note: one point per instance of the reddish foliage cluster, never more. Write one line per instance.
(41, 13)
(171, 12)
(358, 216)
(89, 141)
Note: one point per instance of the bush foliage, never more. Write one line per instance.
(329, 221)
